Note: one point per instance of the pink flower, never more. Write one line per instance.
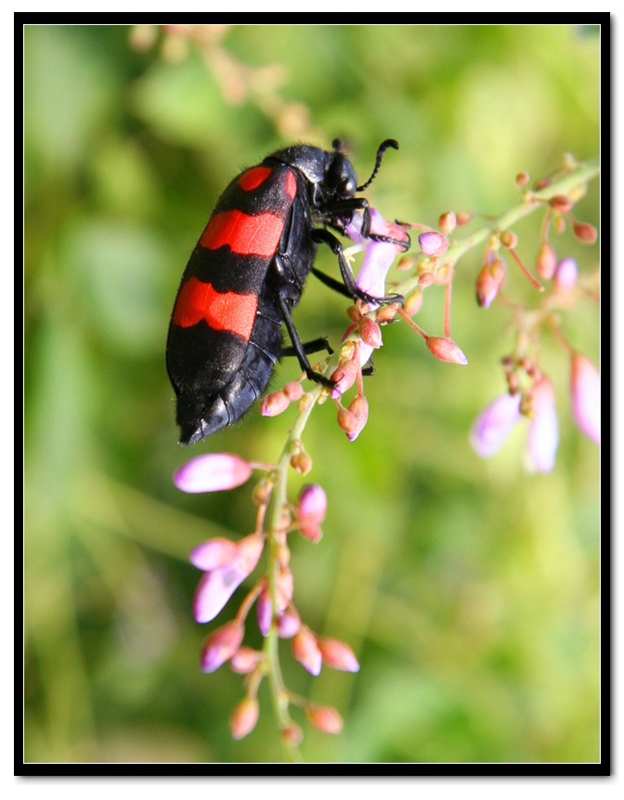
(212, 472)
(230, 570)
(544, 428)
(566, 275)
(586, 396)
(311, 510)
(493, 426)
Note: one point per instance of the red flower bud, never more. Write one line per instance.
(446, 350)
(585, 232)
(370, 332)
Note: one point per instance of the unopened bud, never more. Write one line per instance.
(274, 404)
(447, 222)
(292, 735)
(301, 463)
(338, 655)
(561, 203)
(522, 179)
(344, 377)
(359, 411)
(413, 303)
(245, 660)
(307, 652)
(370, 333)
(546, 262)
(464, 217)
(325, 719)
(288, 623)
(293, 391)
(212, 472)
(221, 645)
(244, 718)
(446, 350)
(585, 232)
(433, 243)
(489, 283)
(508, 239)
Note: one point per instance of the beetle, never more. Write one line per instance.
(247, 273)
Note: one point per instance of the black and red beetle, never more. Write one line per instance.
(246, 274)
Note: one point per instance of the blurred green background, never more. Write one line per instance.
(468, 589)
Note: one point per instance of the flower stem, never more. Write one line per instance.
(279, 502)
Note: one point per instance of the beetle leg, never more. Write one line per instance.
(298, 346)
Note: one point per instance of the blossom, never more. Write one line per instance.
(566, 275)
(230, 569)
(212, 472)
(494, 425)
(311, 510)
(586, 396)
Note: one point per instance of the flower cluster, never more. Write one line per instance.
(226, 565)
(531, 394)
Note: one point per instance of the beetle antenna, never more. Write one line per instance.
(380, 154)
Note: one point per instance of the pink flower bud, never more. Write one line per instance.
(586, 396)
(344, 376)
(544, 427)
(359, 411)
(293, 391)
(489, 283)
(546, 262)
(307, 652)
(221, 645)
(446, 350)
(493, 426)
(288, 623)
(274, 404)
(338, 655)
(213, 472)
(324, 719)
(245, 660)
(433, 243)
(312, 504)
(566, 275)
(244, 718)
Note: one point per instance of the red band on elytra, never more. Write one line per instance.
(226, 311)
(253, 178)
(257, 235)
